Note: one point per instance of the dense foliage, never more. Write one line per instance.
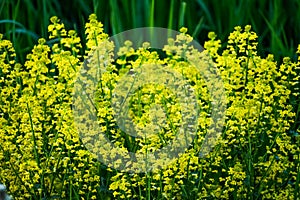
(42, 156)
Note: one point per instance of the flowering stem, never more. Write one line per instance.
(33, 137)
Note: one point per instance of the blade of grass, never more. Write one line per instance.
(116, 24)
(133, 14)
(11, 21)
(151, 17)
(274, 36)
(181, 14)
(171, 15)
(198, 27)
(207, 12)
(26, 32)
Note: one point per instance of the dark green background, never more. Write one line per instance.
(277, 22)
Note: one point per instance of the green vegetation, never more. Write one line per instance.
(276, 22)
(254, 45)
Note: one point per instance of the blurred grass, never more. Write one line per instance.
(276, 22)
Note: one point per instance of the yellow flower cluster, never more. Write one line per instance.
(42, 155)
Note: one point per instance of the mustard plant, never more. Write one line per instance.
(42, 155)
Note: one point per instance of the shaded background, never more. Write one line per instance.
(277, 22)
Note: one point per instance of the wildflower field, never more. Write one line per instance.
(220, 122)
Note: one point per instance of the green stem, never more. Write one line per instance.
(33, 137)
(148, 187)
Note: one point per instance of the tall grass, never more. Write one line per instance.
(276, 22)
